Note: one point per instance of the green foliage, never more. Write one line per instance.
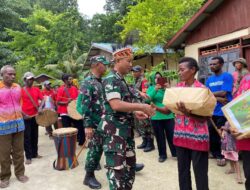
(103, 28)
(56, 6)
(49, 39)
(10, 13)
(119, 6)
(157, 21)
(172, 75)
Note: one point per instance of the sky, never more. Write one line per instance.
(90, 7)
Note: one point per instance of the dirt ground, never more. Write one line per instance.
(154, 176)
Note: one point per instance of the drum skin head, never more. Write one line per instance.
(46, 118)
(73, 113)
(65, 131)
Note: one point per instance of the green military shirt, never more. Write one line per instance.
(90, 101)
(116, 123)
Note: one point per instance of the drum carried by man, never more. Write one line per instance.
(67, 94)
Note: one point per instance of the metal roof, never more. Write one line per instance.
(204, 12)
(96, 48)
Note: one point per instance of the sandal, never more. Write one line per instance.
(4, 184)
(221, 162)
(23, 178)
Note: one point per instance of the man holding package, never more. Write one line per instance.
(221, 84)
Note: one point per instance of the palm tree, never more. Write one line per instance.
(69, 64)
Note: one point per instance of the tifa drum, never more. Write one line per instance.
(48, 116)
(65, 142)
(72, 112)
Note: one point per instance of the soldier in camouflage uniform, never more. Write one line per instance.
(89, 105)
(143, 126)
(117, 123)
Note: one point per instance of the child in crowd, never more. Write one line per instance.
(228, 147)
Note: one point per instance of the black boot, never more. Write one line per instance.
(91, 181)
(98, 167)
(143, 144)
(139, 167)
(150, 145)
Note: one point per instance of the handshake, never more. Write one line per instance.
(145, 111)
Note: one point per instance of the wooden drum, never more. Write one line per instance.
(65, 142)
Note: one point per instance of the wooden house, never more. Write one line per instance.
(219, 28)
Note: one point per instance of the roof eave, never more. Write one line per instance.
(204, 12)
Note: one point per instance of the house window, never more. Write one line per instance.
(229, 51)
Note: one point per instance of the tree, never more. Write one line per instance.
(70, 64)
(119, 6)
(103, 28)
(56, 6)
(157, 21)
(10, 13)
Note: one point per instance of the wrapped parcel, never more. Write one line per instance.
(200, 101)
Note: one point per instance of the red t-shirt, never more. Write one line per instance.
(27, 106)
(50, 93)
(63, 97)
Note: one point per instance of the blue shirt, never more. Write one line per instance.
(222, 82)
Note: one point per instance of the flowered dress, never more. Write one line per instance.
(228, 144)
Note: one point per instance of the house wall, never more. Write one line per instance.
(230, 16)
(193, 49)
(149, 61)
(106, 54)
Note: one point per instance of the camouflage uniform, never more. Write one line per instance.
(91, 100)
(118, 144)
(142, 126)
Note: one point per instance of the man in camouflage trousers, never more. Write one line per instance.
(89, 105)
(143, 126)
(117, 123)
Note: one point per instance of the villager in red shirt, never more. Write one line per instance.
(192, 142)
(65, 94)
(48, 91)
(30, 107)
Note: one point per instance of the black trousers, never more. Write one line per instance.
(215, 140)
(162, 129)
(68, 121)
(246, 167)
(199, 161)
(30, 138)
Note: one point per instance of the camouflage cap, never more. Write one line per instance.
(99, 59)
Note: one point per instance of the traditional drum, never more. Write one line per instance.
(65, 142)
(199, 101)
(73, 113)
(48, 116)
